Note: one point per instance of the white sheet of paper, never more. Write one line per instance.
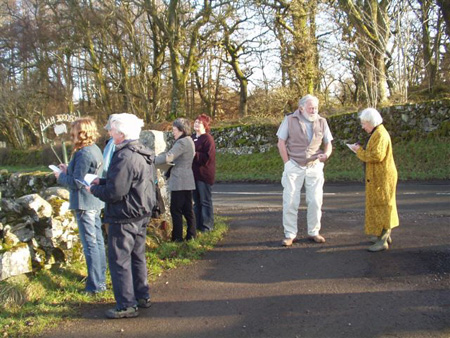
(350, 147)
(164, 166)
(82, 182)
(54, 168)
(89, 178)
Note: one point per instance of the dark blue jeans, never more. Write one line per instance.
(91, 236)
(127, 262)
(203, 206)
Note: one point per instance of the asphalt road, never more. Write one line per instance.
(250, 286)
(433, 197)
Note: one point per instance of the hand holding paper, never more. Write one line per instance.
(88, 178)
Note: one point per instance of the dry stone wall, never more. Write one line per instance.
(36, 232)
(404, 122)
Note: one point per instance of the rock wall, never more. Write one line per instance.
(404, 122)
(37, 232)
(245, 139)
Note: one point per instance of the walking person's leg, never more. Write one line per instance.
(205, 204)
(197, 206)
(101, 248)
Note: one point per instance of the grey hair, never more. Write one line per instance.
(302, 102)
(182, 125)
(372, 116)
(111, 118)
(128, 124)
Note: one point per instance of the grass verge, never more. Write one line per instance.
(425, 159)
(33, 303)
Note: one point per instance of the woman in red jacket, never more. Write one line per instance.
(204, 168)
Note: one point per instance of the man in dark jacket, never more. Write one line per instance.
(128, 192)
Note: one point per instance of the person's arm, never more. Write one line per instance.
(327, 150)
(206, 149)
(376, 149)
(179, 147)
(120, 179)
(283, 135)
(283, 150)
(79, 168)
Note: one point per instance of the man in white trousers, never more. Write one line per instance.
(304, 143)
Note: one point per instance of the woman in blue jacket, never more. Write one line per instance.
(86, 159)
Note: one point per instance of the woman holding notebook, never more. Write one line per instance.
(86, 159)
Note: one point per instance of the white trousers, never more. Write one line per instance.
(292, 181)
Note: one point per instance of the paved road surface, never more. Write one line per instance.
(249, 286)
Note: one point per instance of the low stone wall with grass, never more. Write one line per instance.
(245, 139)
(404, 122)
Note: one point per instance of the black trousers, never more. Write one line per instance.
(181, 205)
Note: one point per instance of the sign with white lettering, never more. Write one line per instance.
(52, 120)
(59, 124)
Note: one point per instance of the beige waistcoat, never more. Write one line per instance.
(298, 147)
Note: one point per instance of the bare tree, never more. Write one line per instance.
(180, 22)
(294, 25)
(239, 43)
(370, 21)
(445, 9)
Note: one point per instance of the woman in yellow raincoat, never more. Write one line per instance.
(381, 180)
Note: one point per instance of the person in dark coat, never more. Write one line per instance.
(204, 168)
(128, 191)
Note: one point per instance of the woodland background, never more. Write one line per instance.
(236, 59)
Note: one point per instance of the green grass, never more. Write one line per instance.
(253, 167)
(423, 160)
(30, 304)
(426, 159)
(25, 169)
